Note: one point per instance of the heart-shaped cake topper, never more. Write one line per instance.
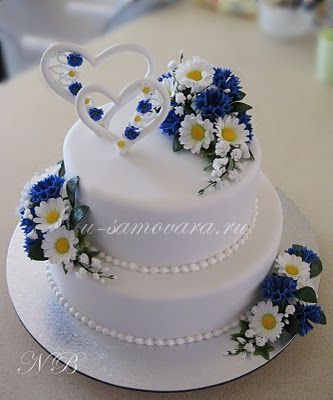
(60, 67)
(150, 112)
(61, 62)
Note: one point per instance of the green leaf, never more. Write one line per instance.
(323, 318)
(264, 351)
(62, 170)
(176, 145)
(293, 327)
(240, 107)
(298, 250)
(36, 252)
(244, 325)
(241, 95)
(230, 164)
(307, 294)
(71, 187)
(77, 215)
(316, 268)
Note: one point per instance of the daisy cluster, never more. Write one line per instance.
(208, 117)
(289, 303)
(50, 219)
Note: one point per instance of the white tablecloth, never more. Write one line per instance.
(293, 118)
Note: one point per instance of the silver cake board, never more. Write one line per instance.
(179, 368)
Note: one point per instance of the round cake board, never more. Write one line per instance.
(179, 368)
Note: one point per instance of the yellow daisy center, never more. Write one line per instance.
(121, 144)
(291, 269)
(229, 134)
(198, 132)
(72, 73)
(268, 321)
(86, 100)
(146, 90)
(194, 75)
(137, 118)
(62, 245)
(52, 216)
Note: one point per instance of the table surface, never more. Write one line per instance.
(293, 119)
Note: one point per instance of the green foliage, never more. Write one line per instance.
(78, 213)
(36, 252)
(240, 107)
(307, 294)
(176, 145)
(71, 187)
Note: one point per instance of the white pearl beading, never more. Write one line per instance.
(160, 342)
(192, 267)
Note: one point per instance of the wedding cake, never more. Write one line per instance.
(184, 219)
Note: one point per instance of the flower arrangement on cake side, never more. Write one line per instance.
(208, 117)
(289, 303)
(50, 219)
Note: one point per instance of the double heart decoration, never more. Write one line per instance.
(60, 66)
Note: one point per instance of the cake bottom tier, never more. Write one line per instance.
(178, 308)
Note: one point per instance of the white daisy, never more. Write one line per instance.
(51, 214)
(294, 267)
(195, 133)
(59, 246)
(195, 73)
(138, 120)
(231, 131)
(266, 320)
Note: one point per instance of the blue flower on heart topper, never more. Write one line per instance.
(289, 303)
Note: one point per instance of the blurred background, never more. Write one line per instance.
(28, 27)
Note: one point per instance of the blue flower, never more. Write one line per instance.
(49, 187)
(213, 103)
(305, 314)
(170, 126)
(27, 225)
(245, 119)
(308, 256)
(74, 59)
(75, 87)
(278, 288)
(164, 76)
(132, 132)
(144, 107)
(96, 113)
(225, 79)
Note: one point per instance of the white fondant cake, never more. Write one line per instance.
(156, 186)
(181, 306)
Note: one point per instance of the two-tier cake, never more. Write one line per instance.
(184, 218)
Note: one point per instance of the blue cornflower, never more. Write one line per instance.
(49, 187)
(164, 76)
(74, 59)
(225, 79)
(308, 256)
(75, 87)
(132, 132)
(278, 288)
(170, 126)
(307, 313)
(245, 119)
(27, 225)
(144, 107)
(213, 103)
(96, 113)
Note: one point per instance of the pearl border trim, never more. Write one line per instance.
(192, 267)
(160, 342)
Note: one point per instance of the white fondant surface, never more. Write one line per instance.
(153, 185)
(179, 305)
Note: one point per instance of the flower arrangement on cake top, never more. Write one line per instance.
(50, 221)
(208, 117)
(289, 303)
